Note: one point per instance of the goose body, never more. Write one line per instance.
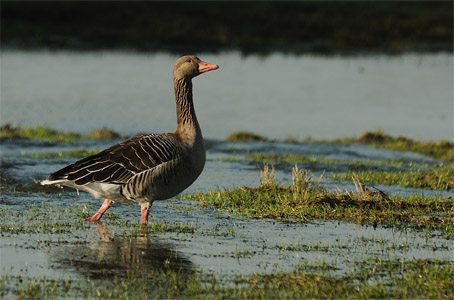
(148, 167)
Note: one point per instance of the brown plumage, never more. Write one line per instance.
(148, 167)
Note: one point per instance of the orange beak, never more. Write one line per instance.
(205, 67)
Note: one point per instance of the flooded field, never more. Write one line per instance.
(239, 231)
(47, 247)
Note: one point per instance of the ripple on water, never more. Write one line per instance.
(219, 243)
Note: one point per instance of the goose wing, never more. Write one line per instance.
(120, 162)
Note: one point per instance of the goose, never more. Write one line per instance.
(148, 167)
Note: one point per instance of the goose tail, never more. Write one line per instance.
(49, 181)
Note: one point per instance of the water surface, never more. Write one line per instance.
(276, 96)
(218, 242)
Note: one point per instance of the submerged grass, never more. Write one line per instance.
(306, 199)
(62, 154)
(371, 278)
(441, 178)
(43, 218)
(51, 219)
(301, 158)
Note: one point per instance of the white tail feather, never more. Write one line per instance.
(48, 182)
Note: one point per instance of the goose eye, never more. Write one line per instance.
(188, 60)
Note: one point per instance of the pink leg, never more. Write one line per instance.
(106, 204)
(144, 214)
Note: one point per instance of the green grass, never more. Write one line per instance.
(441, 178)
(442, 150)
(421, 176)
(38, 133)
(43, 218)
(76, 153)
(306, 199)
(371, 278)
(45, 133)
(245, 136)
(396, 279)
(50, 219)
(301, 158)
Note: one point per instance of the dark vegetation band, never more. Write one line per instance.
(297, 27)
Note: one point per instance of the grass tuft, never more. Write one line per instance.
(441, 178)
(44, 133)
(306, 199)
(37, 133)
(244, 136)
(104, 134)
(443, 150)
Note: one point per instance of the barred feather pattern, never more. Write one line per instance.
(185, 105)
(148, 167)
(119, 163)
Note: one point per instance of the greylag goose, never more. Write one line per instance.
(148, 167)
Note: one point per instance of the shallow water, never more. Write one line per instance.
(219, 243)
(276, 96)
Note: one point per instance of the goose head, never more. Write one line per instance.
(190, 66)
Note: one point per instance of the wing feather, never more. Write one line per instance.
(122, 161)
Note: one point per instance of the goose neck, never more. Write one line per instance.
(186, 118)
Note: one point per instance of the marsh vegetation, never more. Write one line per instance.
(270, 217)
(442, 149)
(345, 230)
(306, 199)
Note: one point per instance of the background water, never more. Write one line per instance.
(223, 243)
(276, 96)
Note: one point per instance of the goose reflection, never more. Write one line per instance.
(114, 255)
